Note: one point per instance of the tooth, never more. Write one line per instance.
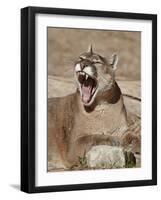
(86, 76)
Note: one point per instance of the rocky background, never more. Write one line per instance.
(65, 45)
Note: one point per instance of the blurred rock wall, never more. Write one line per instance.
(65, 45)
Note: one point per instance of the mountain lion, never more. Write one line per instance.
(94, 115)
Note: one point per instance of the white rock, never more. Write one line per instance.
(104, 156)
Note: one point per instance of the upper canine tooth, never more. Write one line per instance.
(77, 67)
(86, 76)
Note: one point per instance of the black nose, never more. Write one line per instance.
(86, 63)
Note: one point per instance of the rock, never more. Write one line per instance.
(60, 86)
(103, 156)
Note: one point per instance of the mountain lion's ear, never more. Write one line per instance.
(90, 50)
(113, 62)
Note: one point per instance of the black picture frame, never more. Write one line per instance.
(28, 98)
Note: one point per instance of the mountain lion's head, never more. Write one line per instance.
(94, 75)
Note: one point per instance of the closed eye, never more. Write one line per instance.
(99, 62)
(95, 60)
(82, 57)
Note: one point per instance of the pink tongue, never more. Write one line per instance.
(86, 93)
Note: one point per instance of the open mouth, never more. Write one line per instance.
(88, 86)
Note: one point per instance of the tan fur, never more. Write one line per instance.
(104, 124)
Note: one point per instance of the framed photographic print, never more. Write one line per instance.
(88, 99)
